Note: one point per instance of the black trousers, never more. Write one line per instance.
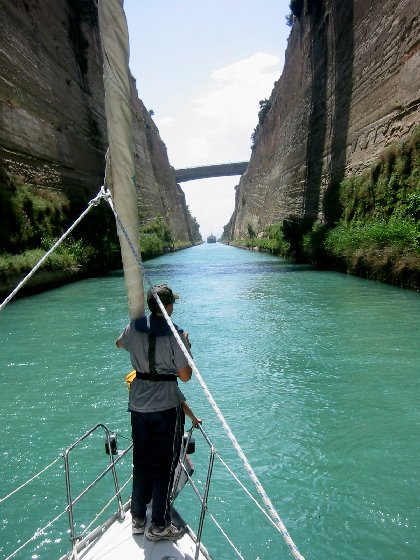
(157, 440)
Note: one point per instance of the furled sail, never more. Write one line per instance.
(120, 176)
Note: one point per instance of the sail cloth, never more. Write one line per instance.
(120, 175)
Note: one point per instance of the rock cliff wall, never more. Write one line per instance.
(53, 129)
(350, 87)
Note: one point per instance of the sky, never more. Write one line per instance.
(202, 66)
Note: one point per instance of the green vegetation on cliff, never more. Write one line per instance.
(265, 106)
(195, 228)
(33, 218)
(378, 233)
(156, 239)
(281, 238)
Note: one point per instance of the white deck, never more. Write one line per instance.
(118, 543)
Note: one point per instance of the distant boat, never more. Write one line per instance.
(211, 239)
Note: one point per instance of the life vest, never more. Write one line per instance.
(153, 326)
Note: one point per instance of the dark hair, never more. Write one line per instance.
(166, 297)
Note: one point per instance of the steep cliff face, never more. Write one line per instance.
(350, 88)
(53, 129)
(159, 193)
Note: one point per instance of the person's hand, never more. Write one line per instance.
(187, 338)
(196, 421)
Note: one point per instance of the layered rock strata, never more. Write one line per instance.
(53, 130)
(349, 89)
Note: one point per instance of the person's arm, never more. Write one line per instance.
(123, 340)
(187, 410)
(186, 338)
(185, 373)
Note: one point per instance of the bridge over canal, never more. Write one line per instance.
(207, 171)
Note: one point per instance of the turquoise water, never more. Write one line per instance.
(317, 374)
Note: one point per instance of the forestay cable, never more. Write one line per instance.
(273, 513)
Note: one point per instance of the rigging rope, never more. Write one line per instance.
(30, 480)
(94, 202)
(260, 489)
(36, 534)
(226, 536)
(263, 511)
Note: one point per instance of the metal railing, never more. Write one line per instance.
(204, 496)
(182, 476)
(111, 467)
(89, 535)
(184, 471)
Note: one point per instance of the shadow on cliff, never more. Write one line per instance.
(343, 36)
(339, 26)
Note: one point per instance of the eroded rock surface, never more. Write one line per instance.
(349, 89)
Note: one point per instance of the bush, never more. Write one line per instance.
(296, 7)
(151, 245)
(390, 188)
(159, 228)
(71, 255)
(344, 240)
(290, 19)
(33, 217)
(381, 207)
(413, 205)
(251, 232)
(272, 240)
(265, 106)
(28, 214)
(155, 238)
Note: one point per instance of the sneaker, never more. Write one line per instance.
(138, 525)
(168, 533)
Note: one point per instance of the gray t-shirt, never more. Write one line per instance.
(152, 396)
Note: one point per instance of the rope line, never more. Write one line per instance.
(259, 506)
(37, 533)
(225, 535)
(260, 489)
(30, 480)
(94, 202)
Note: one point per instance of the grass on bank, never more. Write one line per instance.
(32, 218)
(378, 233)
(74, 254)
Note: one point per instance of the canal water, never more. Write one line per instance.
(317, 374)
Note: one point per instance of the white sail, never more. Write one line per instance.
(115, 48)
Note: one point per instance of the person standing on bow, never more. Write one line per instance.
(157, 419)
